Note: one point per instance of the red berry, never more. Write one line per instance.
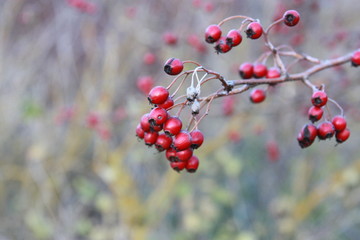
(156, 128)
(167, 104)
(150, 138)
(158, 95)
(170, 38)
(291, 18)
(315, 113)
(197, 138)
(163, 142)
(178, 166)
(257, 95)
(184, 155)
(246, 70)
(325, 130)
(222, 46)
(192, 164)
(140, 133)
(355, 59)
(319, 98)
(93, 120)
(307, 135)
(254, 30)
(228, 105)
(260, 70)
(158, 116)
(273, 72)
(173, 66)
(182, 141)
(233, 38)
(339, 123)
(212, 33)
(149, 58)
(144, 84)
(144, 123)
(170, 154)
(273, 152)
(172, 126)
(343, 135)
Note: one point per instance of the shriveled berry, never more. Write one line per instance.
(233, 38)
(246, 70)
(140, 133)
(342, 136)
(192, 164)
(144, 123)
(163, 142)
(325, 130)
(355, 59)
(167, 104)
(254, 30)
(158, 116)
(178, 166)
(257, 95)
(158, 95)
(291, 18)
(212, 33)
(172, 126)
(307, 135)
(222, 46)
(315, 113)
(260, 70)
(339, 123)
(319, 98)
(184, 155)
(150, 138)
(173, 66)
(170, 154)
(273, 72)
(197, 139)
(182, 140)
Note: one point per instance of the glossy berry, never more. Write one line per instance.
(167, 104)
(325, 130)
(173, 66)
(257, 95)
(233, 38)
(307, 135)
(163, 142)
(212, 33)
(156, 128)
(260, 70)
(197, 139)
(158, 116)
(291, 18)
(170, 154)
(222, 46)
(140, 133)
(184, 155)
(172, 126)
(158, 95)
(273, 72)
(144, 123)
(339, 123)
(192, 164)
(342, 136)
(355, 59)
(150, 138)
(315, 113)
(182, 141)
(246, 70)
(254, 30)
(178, 166)
(319, 98)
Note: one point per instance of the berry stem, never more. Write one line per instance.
(177, 77)
(338, 105)
(236, 17)
(193, 62)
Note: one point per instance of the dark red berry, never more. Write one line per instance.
(184, 155)
(170, 38)
(144, 123)
(343, 135)
(246, 70)
(273, 72)
(222, 46)
(173, 66)
(212, 33)
(178, 166)
(150, 138)
(140, 133)
(257, 95)
(182, 141)
(158, 116)
(172, 126)
(307, 135)
(254, 30)
(163, 142)
(355, 59)
(315, 113)
(233, 38)
(192, 164)
(339, 123)
(167, 104)
(158, 95)
(325, 130)
(260, 70)
(156, 128)
(319, 98)
(170, 154)
(291, 18)
(197, 138)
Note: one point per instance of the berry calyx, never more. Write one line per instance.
(325, 130)
(212, 33)
(150, 138)
(291, 18)
(222, 46)
(173, 66)
(273, 72)
(260, 70)
(197, 139)
(246, 70)
(319, 98)
(158, 95)
(172, 126)
(307, 135)
(355, 59)
(182, 140)
(192, 164)
(254, 30)
(339, 123)
(158, 116)
(163, 142)
(315, 113)
(342, 136)
(257, 95)
(233, 38)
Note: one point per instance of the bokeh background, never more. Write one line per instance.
(72, 168)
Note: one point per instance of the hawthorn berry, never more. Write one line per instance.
(254, 30)
(339, 123)
(144, 123)
(140, 133)
(246, 70)
(170, 154)
(212, 33)
(260, 70)
(150, 138)
(182, 140)
(145, 83)
(158, 116)
(172, 126)
(342, 136)
(170, 38)
(222, 46)
(319, 98)
(149, 58)
(156, 128)
(233, 38)
(355, 59)
(173, 66)
(257, 95)
(307, 135)
(163, 142)
(192, 164)
(197, 138)
(178, 166)
(273, 72)
(315, 113)
(291, 18)
(325, 130)
(158, 95)
(184, 155)
(167, 104)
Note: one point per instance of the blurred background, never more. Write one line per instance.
(74, 77)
